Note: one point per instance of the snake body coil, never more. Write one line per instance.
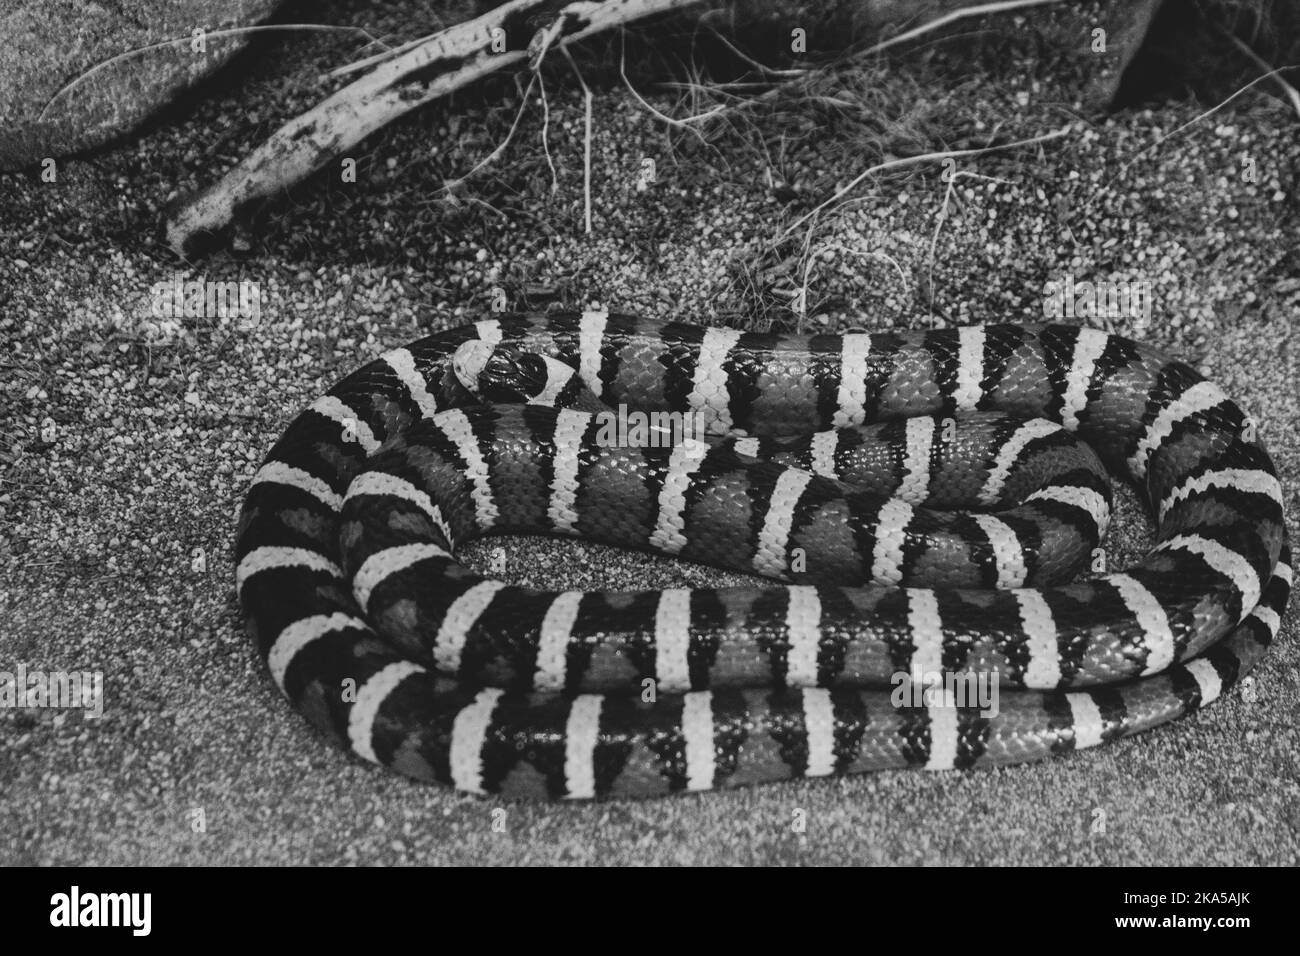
(843, 466)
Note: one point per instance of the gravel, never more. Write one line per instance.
(129, 440)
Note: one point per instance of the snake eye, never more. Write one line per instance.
(512, 376)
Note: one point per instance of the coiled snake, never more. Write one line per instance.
(829, 463)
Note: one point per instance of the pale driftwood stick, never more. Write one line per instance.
(447, 61)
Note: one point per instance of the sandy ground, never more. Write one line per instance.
(128, 444)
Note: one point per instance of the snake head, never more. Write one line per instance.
(504, 374)
(468, 362)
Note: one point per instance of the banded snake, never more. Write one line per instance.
(845, 467)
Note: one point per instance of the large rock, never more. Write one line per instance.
(46, 44)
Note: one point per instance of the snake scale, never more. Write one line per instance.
(922, 498)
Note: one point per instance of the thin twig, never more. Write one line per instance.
(586, 164)
(1196, 119)
(934, 242)
(715, 86)
(232, 31)
(1291, 92)
(546, 125)
(491, 157)
(388, 54)
(914, 161)
(770, 71)
(541, 43)
(586, 148)
(951, 17)
(807, 267)
(873, 254)
(677, 123)
(938, 224)
(987, 8)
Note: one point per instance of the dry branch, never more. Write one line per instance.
(447, 61)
